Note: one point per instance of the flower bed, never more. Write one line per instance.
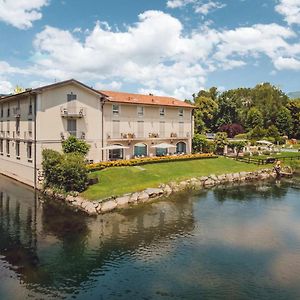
(147, 160)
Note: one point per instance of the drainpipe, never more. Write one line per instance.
(192, 130)
(102, 99)
(34, 144)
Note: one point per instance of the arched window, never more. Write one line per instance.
(181, 147)
(140, 150)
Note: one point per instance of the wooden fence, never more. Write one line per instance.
(268, 160)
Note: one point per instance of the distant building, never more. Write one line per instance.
(116, 125)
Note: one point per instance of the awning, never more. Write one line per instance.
(140, 145)
(164, 146)
(114, 147)
(264, 142)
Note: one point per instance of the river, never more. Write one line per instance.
(234, 242)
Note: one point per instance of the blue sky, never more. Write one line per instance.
(173, 47)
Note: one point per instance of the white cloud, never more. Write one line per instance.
(207, 7)
(290, 9)
(287, 63)
(21, 13)
(5, 87)
(155, 54)
(200, 6)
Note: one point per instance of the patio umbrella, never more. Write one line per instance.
(114, 147)
(265, 142)
(164, 146)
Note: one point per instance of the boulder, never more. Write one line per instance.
(90, 209)
(108, 206)
(143, 197)
(209, 182)
(133, 198)
(122, 201)
(167, 190)
(153, 192)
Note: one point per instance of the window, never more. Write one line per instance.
(140, 129)
(1, 147)
(162, 111)
(71, 97)
(181, 129)
(29, 151)
(29, 126)
(180, 112)
(72, 126)
(8, 126)
(1, 111)
(161, 129)
(115, 129)
(115, 109)
(17, 149)
(140, 111)
(7, 148)
(17, 125)
(30, 108)
(8, 111)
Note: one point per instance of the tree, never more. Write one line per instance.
(200, 143)
(254, 118)
(284, 121)
(232, 129)
(74, 145)
(238, 146)
(257, 133)
(273, 132)
(220, 142)
(294, 107)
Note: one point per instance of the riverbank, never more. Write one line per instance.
(122, 180)
(110, 204)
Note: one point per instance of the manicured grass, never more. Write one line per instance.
(278, 155)
(121, 180)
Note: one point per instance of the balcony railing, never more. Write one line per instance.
(16, 112)
(28, 135)
(72, 112)
(150, 136)
(78, 134)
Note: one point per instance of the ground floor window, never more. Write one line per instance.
(140, 150)
(29, 151)
(17, 149)
(161, 151)
(181, 147)
(7, 147)
(116, 154)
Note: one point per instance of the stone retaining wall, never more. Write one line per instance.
(94, 208)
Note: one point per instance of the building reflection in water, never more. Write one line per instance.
(50, 247)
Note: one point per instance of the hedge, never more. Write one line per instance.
(147, 160)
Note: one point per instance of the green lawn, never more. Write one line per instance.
(121, 180)
(279, 155)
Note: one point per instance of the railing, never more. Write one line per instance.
(78, 134)
(16, 112)
(265, 161)
(28, 135)
(150, 136)
(72, 112)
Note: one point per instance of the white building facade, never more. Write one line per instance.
(134, 124)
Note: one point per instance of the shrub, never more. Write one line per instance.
(74, 145)
(246, 154)
(242, 136)
(266, 152)
(66, 172)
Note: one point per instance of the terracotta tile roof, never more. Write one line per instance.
(145, 99)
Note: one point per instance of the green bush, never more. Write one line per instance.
(66, 172)
(266, 152)
(241, 136)
(74, 145)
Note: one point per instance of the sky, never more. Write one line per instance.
(164, 47)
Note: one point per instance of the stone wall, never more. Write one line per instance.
(94, 208)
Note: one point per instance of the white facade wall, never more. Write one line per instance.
(53, 112)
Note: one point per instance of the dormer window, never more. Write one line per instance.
(162, 111)
(140, 111)
(115, 109)
(180, 112)
(71, 97)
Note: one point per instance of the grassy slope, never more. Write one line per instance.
(121, 180)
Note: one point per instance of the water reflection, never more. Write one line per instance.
(237, 242)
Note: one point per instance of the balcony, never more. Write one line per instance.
(16, 134)
(17, 112)
(28, 135)
(2, 134)
(72, 112)
(78, 134)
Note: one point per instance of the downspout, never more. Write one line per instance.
(102, 99)
(192, 130)
(34, 145)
